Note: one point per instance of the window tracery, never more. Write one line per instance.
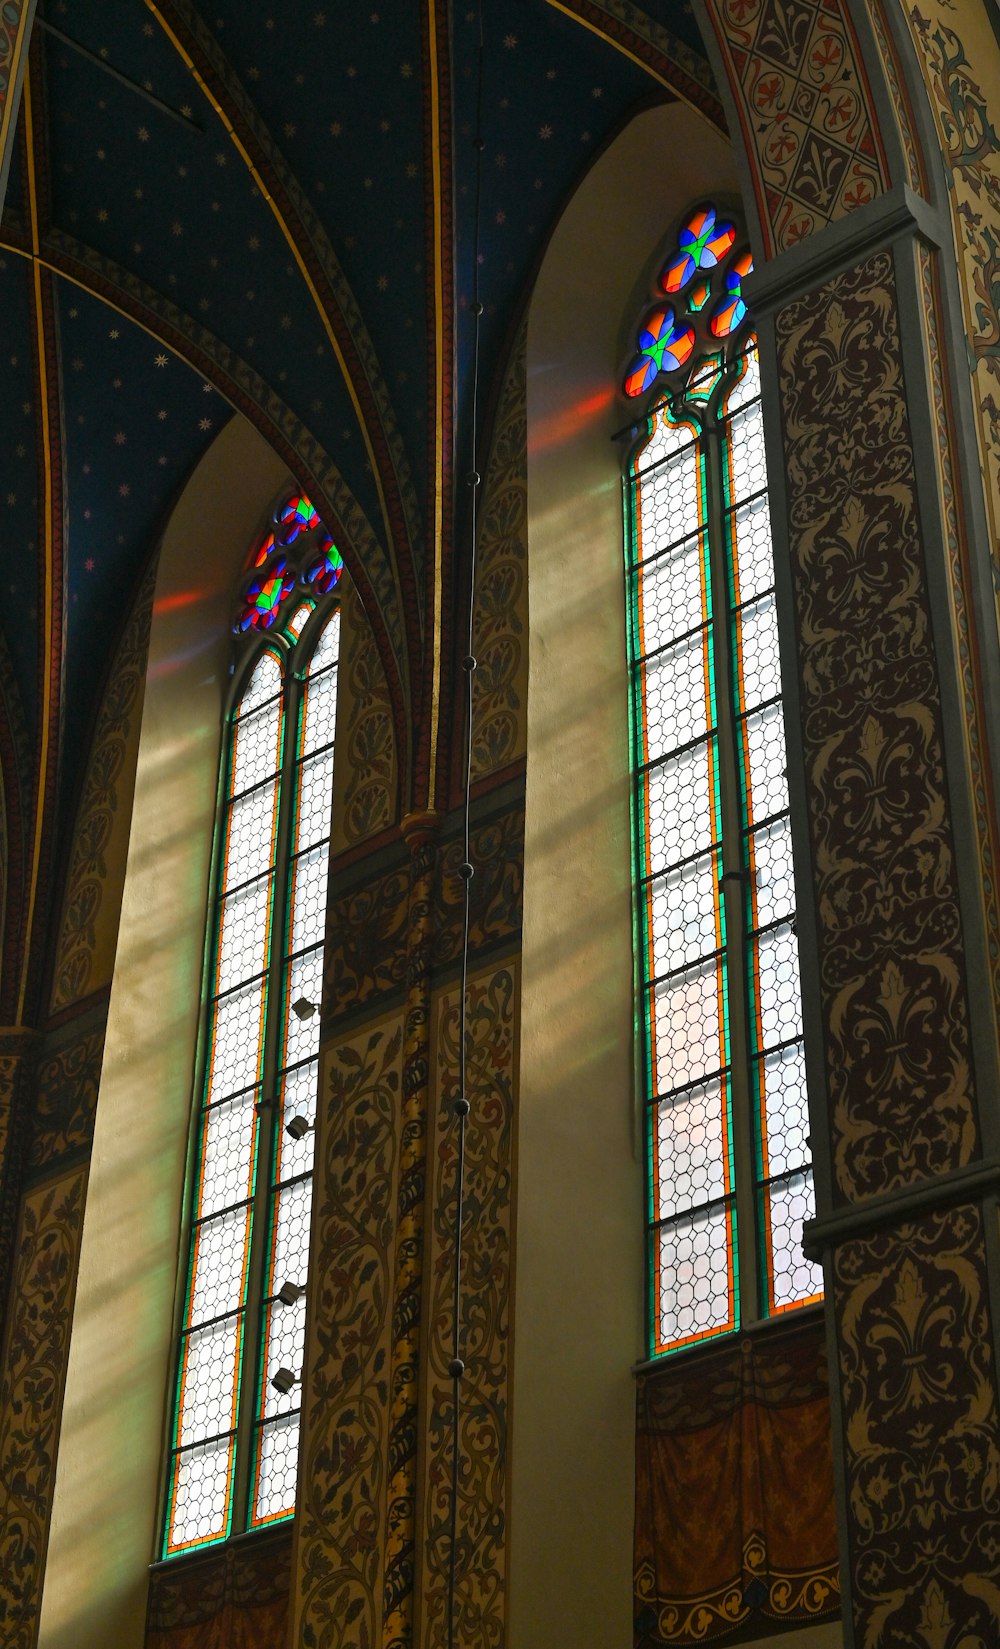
(730, 1178)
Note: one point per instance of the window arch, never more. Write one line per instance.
(234, 1427)
(730, 1178)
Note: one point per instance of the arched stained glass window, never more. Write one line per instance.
(730, 1178)
(234, 1432)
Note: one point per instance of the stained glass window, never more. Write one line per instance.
(730, 1177)
(234, 1433)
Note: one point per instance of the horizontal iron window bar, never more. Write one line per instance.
(230, 1208)
(765, 824)
(227, 1099)
(693, 538)
(258, 709)
(313, 948)
(240, 795)
(239, 887)
(202, 1443)
(293, 1179)
(758, 709)
(786, 1175)
(772, 927)
(704, 628)
(752, 601)
(709, 1207)
(685, 967)
(777, 1048)
(680, 864)
(242, 985)
(745, 503)
(211, 1322)
(311, 847)
(722, 1074)
(678, 750)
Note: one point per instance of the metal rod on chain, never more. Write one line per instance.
(457, 1367)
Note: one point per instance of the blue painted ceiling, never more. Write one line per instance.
(167, 201)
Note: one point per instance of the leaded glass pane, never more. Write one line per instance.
(277, 1464)
(237, 1040)
(673, 595)
(256, 748)
(304, 978)
(284, 1347)
(320, 712)
(679, 805)
(757, 653)
(219, 1264)
(684, 914)
(764, 745)
(227, 1153)
(211, 1370)
(687, 1025)
(200, 1497)
(309, 878)
(691, 1164)
(252, 822)
(775, 964)
(695, 1258)
(773, 887)
(243, 941)
(788, 1202)
(677, 695)
(781, 1078)
(750, 525)
(295, 1156)
(315, 798)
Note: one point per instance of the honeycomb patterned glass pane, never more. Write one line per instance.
(256, 748)
(277, 1465)
(679, 797)
(688, 1032)
(320, 716)
(774, 888)
(696, 1295)
(670, 504)
(764, 739)
(304, 976)
(775, 959)
(219, 1261)
(748, 471)
(200, 1499)
(794, 1278)
(236, 1038)
(284, 1347)
(684, 914)
(672, 599)
(748, 387)
(264, 684)
(309, 878)
(665, 438)
(210, 1369)
(290, 1253)
(750, 525)
(315, 799)
(691, 1156)
(297, 623)
(250, 836)
(757, 641)
(785, 1109)
(227, 1153)
(327, 647)
(676, 696)
(243, 942)
(295, 1156)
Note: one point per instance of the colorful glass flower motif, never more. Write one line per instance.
(296, 516)
(325, 571)
(265, 595)
(264, 551)
(733, 308)
(704, 241)
(664, 347)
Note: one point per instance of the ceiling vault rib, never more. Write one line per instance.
(51, 549)
(443, 320)
(73, 266)
(398, 510)
(116, 74)
(659, 59)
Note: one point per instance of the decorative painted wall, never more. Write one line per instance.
(959, 59)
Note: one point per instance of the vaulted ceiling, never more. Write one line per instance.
(272, 207)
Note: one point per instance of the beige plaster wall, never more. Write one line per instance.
(578, 1300)
(107, 1483)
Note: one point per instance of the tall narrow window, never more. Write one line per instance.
(234, 1435)
(730, 1179)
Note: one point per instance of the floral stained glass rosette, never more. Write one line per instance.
(296, 554)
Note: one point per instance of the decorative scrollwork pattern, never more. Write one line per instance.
(345, 1463)
(486, 1245)
(922, 1438)
(370, 794)
(891, 962)
(32, 1377)
(797, 76)
(499, 686)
